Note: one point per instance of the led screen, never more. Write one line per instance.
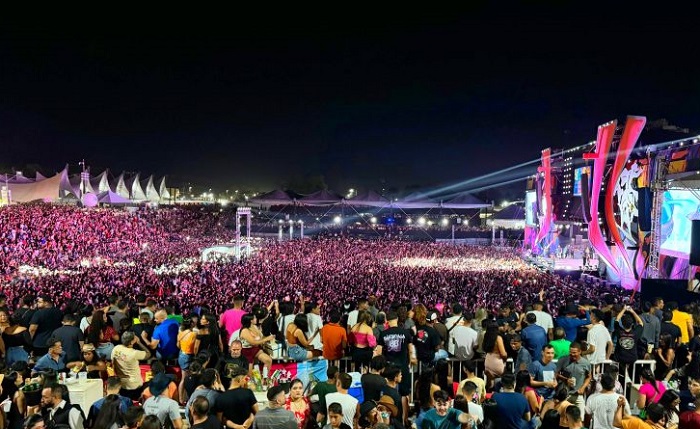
(577, 179)
(678, 209)
(530, 208)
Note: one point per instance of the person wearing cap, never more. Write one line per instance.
(371, 413)
(160, 405)
(92, 362)
(125, 359)
(275, 416)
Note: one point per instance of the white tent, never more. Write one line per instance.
(109, 197)
(163, 190)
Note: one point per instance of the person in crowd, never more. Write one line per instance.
(469, 371)
(542, 317)
(299, 404)
(46, 320)
(57, 411)
(424, 390)
(15, 337)
(370, 416)
(650, 390)
(654, 417)
(252, 340)
(160, 405)
(600, 407)
(362, 341)
(164, 339)
(230, 319)
(670, 400)
(542, 372)
(513, 407)
(10, 391)
(71, 338)
(186, 343)
(664, 356)
(200, 410)
(94, 365)
(683, 320)
(462, 338)
(560, 343)
(576, 372)
(353, 316)
(297, 342)
(334, 337)
(275, 416)
(100, 334)
(521, 357)
(312, 310)
(600, 345)
(451, 323)
(690, 418)
(372, 382)
(209, 338)
(533, 336)
(53, 359)
(237, 405)
(464, 402)
(350, 405)
(570, 321)
(444, 416)
(157, 367)
(574, 417)
(210, 387)
(110, 415)
(493, 345)
(523, 385)
(125, 358)
(112, 387)
(628, 338)
(321, 389)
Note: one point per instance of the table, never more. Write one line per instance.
(85, 393)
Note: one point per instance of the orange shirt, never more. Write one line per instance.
(332, 336)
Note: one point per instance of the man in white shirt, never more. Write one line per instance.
(451, 323)
(544, 319)
(600, 345)
(464, 339)
(351, 406)
(601, 407)
(313, 316)
(362, 304)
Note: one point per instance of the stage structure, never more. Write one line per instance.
(627, 207)
(242, 211)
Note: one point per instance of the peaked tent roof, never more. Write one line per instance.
(273, 198)
(109, 197)
(48, 190)
(163, 190)
(368, 199)
(512, 212)
(464, 201)
(133, 184)
(121, 188)
(150, 190)
(320, 198)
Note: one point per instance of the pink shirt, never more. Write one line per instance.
(231, 321)
(648, 390)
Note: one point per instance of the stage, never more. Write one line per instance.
(563, 264)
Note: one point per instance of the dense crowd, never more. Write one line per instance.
(105, 291)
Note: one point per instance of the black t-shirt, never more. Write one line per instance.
(210, 423)
(225, 365)
(372, 386)
(236, 404)
(394, 342)
(47, 321)
(426, 341)
(671, 329)
(627, 344)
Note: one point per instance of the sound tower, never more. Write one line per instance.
(695, 242)
(585, 199)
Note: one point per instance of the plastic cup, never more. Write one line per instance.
(82, 376)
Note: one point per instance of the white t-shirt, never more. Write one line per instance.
(352, 320)
(543, 319)
(602, 407)
(477, 411)
(348, 403)
(598, 336)
(465, 341)
(449, 323)
(315, 322)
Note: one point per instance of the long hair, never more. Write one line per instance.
(110, 413)
(96, 326)
(420, 314)
(490, 336)
(301, 322)
(649, 376)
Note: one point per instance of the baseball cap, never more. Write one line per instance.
(432, 316)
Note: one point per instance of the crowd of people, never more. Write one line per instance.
(106, 291)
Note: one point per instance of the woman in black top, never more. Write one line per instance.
(209, 339)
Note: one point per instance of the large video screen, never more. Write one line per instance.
(530, 208)
(577, 179)
(679, 208)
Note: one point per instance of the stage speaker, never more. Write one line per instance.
(695, 243)
(585, 198)
(644, 201)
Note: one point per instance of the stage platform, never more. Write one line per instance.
(563, 264)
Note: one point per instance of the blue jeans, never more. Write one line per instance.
(16, 354)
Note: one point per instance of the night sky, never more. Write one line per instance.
(367, 100)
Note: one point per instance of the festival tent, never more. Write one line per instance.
(150, 190)
(368, 199)
(321, 198)
(109, 197)
(133, 184)
(415, 200)
(48, 190)
(100, 183)
(273, 198)
(120, 187)
(512, 216)
(163, 190)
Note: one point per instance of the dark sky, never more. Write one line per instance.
(368, 100)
